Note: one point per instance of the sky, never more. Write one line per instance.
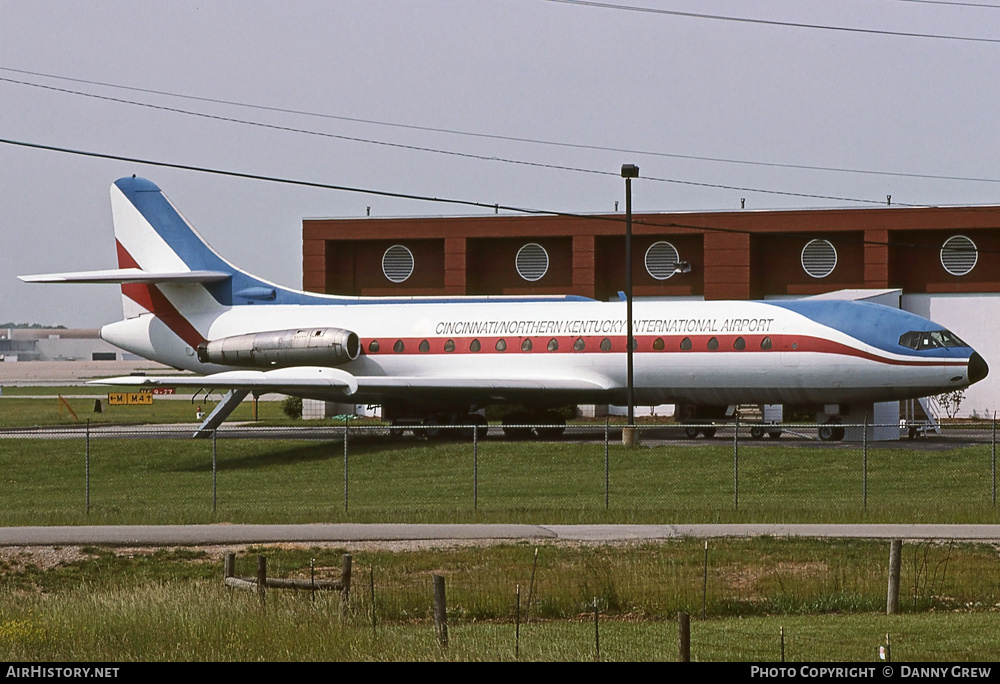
(530, 104)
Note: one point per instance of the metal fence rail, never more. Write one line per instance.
(335, 471)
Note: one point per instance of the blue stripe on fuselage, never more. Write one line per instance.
(874, 324)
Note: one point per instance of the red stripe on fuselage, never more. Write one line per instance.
(645, 344)
(151, 298)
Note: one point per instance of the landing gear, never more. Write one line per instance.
(758, 432)
(522, 425)
(454, 426)
(830, 432)
(691, 431)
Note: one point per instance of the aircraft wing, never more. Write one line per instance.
(306, 379)
(287, 380)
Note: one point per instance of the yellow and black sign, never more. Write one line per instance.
(130, 398)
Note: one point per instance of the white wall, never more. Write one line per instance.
(976, 319)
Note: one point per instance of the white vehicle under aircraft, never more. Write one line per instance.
(441, 359)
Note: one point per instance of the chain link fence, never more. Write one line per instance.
(672, 472)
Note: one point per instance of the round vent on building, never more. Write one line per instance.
(661, 260)
(959, 255)
(397, 263)
(532, 262)
(819, 258)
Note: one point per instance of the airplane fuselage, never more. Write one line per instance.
(697, 352)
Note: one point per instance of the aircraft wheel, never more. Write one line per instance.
(482, 425)
(432, 429)
(690, 432)
(514, 426)
(466, 431)
(757, 431)
(708, 432)
(774, 434)
(554, 426)
(830, 432)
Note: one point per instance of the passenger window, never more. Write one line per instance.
(398, 347)
(765, 343)
(739, 344)
(553, 345)
(686, 344)
(658, 344)
(449, 346)
(501, 345)
(526, 345)
(373, 346)
(425, 346)
(605, 344)
(713, 343)
(475, 346)
(579, 345)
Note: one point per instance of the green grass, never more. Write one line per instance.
(157, 481)
(827, 596)
(16, 412)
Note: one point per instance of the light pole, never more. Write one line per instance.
(629, 171)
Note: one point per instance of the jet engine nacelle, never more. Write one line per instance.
(282, 348)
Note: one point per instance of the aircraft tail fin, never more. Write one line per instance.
(174, 261)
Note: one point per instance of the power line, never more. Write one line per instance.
(953, 3)
(471, 134)
(446, 200)
(466, 155)
(772, 22)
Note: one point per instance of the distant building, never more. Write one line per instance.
(56, 344)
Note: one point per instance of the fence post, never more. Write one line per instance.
(346, 562)
(892, 600)
(684, 638)
(864, 464)
(440, 612)
(475, 467)
(345, 465)
(597, 629)
(215, 482)
(704, 584)
(87, 468)
(371, 586)
(517, 622)
(607, 480)
(736, 464)
(262, 579)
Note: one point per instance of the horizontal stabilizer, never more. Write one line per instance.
(127, 275)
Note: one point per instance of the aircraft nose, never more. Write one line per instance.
(977, 368)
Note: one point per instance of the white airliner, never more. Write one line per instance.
(440, 359)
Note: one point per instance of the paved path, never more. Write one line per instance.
(195, 535)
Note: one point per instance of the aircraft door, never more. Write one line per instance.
(789, 347)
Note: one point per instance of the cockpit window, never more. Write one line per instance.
(935, 339)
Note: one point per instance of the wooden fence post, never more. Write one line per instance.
(684, 638)
(345, 579)
(892, 600)
(440, 612)
(262, 578)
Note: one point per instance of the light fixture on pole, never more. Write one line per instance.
(629, 171)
